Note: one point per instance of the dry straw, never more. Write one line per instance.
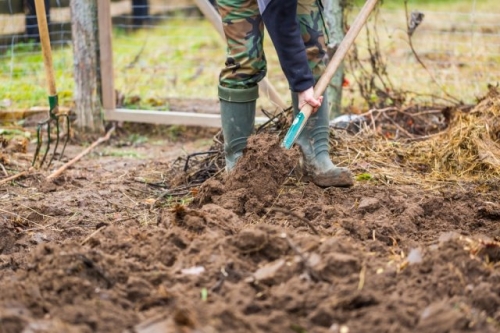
(468, 150)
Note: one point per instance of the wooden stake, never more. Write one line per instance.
(11, 178)
(63, 168)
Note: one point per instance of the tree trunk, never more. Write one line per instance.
(31, 21)
(140, 12)
(334, 22)
(85, 55)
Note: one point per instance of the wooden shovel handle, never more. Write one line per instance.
(307, 110)
(46, 49)
(344, 47)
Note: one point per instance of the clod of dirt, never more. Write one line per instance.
(368, 205)
(13, 318)
(48, 186)
(255, 181)
(339, 264)
(339, 260)
(261, 241)
(262, 168)
(209, 216)
(211, 190)
(4, 159)
(485, 299)
(251, 240)
(16, 144)
(490, 210)
(7, 240)
(440, 317)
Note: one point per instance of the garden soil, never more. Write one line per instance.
(257, 250)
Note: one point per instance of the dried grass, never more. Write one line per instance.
(469, 149)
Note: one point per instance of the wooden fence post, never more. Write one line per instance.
(334, 22)
(108, 97)
(84, 39)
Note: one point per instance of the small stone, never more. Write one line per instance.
(268, 272)
(415, 256)
(196, 270)
(335, 328)
(448, 236)
(368, 205)
(38, 238)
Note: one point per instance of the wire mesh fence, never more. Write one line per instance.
(166, 55)
(451, 56)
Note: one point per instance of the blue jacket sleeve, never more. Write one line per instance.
(280, 19)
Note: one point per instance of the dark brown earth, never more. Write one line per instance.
(255, 251)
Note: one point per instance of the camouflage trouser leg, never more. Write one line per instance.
(313, 29)
(244, 30)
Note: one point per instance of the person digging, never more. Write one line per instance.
(296, 29)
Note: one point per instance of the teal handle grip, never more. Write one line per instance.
(294, 131)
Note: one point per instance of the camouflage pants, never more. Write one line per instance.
(244, 30)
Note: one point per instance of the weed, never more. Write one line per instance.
(122, 153)
(137, 139)
(174, 132)
(364, 177)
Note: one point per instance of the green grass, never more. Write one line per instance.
(122, 153)
(23, 76)
(154, 65)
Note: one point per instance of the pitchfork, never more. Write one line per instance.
(54, 115)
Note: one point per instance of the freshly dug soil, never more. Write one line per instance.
(257, 251)
(256, 180)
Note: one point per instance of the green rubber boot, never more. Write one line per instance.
(313, 142)
(237, 109)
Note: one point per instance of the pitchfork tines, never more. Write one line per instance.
(54, 117)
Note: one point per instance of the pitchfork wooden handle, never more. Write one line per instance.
(46, 49)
